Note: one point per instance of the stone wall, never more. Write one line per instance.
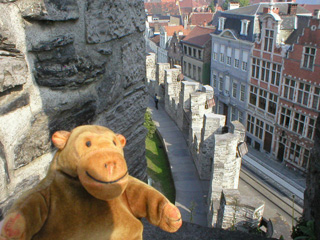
(311, 209)
(64, 64)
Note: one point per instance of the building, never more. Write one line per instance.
(299, 102)
(278, 24)
(232, 44)
(175, 49)
(196, 54)
(166, 33)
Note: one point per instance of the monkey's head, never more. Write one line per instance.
(95, 155)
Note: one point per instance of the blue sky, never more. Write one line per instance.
(309, 1)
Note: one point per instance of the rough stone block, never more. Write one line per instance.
(103, 25)
(49, 10)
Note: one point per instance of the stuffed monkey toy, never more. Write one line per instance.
(88, 194)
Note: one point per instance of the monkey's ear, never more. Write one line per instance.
(122, 140)
(60, 139)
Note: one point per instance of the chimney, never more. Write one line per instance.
(266, 10)
(233, 5)
(292, 9)
(316, 14)
(205, 23)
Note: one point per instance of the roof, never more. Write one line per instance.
(171, 29)
(156, 39)
(199, 36)
(310, 7)
(257, 9)
(200, 18)
(164, 8)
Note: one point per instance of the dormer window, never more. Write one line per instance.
(221, 23)
(244, 27)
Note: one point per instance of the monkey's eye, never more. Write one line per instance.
(88, 143)
(114, 142)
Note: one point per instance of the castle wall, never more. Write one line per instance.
(64, 64)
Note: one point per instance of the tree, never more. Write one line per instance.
(212, 6)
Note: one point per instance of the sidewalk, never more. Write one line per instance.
(190, 190)
(290, 176)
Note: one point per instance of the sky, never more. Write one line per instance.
(309, 1)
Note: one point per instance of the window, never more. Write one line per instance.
(303, 93)
(244, 27)
(265, 71)
(194, 71)
(190, 51)
(250, 124)
(285, 116)
(262, 99)
(242, 92)
(272, 105)
(305, 160)
(241, 117)
(185, 67)
(308, 57)
(294, 152)
(298, 123)
(222, 47)
(199, 73)
(234, 89)
(221, 23)
(310, 130)
(233, 114)
(255, 68)
(220, 83)
(215, 52)
(185, 50)
(215, 80)
(236, 58)
(316, 98)
(227, 85)
(194, 52)
(189, 69)
(244, 61)
(289, 86)
(199, 54)
(253, 95)
(229, 52)
(268, 40)
(259, 128)
(276, 74)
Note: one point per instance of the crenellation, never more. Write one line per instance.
(214, 151)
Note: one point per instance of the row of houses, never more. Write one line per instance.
(263, 62)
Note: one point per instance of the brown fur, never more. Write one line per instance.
(88, 194)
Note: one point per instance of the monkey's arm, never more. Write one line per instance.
(145, 201)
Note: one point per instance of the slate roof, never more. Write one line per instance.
(302, 22)
(200, 18)
(165, 8)
(257, 9)
(199, 36)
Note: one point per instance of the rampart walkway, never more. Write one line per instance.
(190, 190)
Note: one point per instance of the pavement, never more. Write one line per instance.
(191, 192)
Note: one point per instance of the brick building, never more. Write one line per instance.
(299, 102)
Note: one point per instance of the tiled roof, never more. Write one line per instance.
(310, 7)
(200, 18)
(171, 29)
(166, 8)
(156, 39)
(199, 36)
